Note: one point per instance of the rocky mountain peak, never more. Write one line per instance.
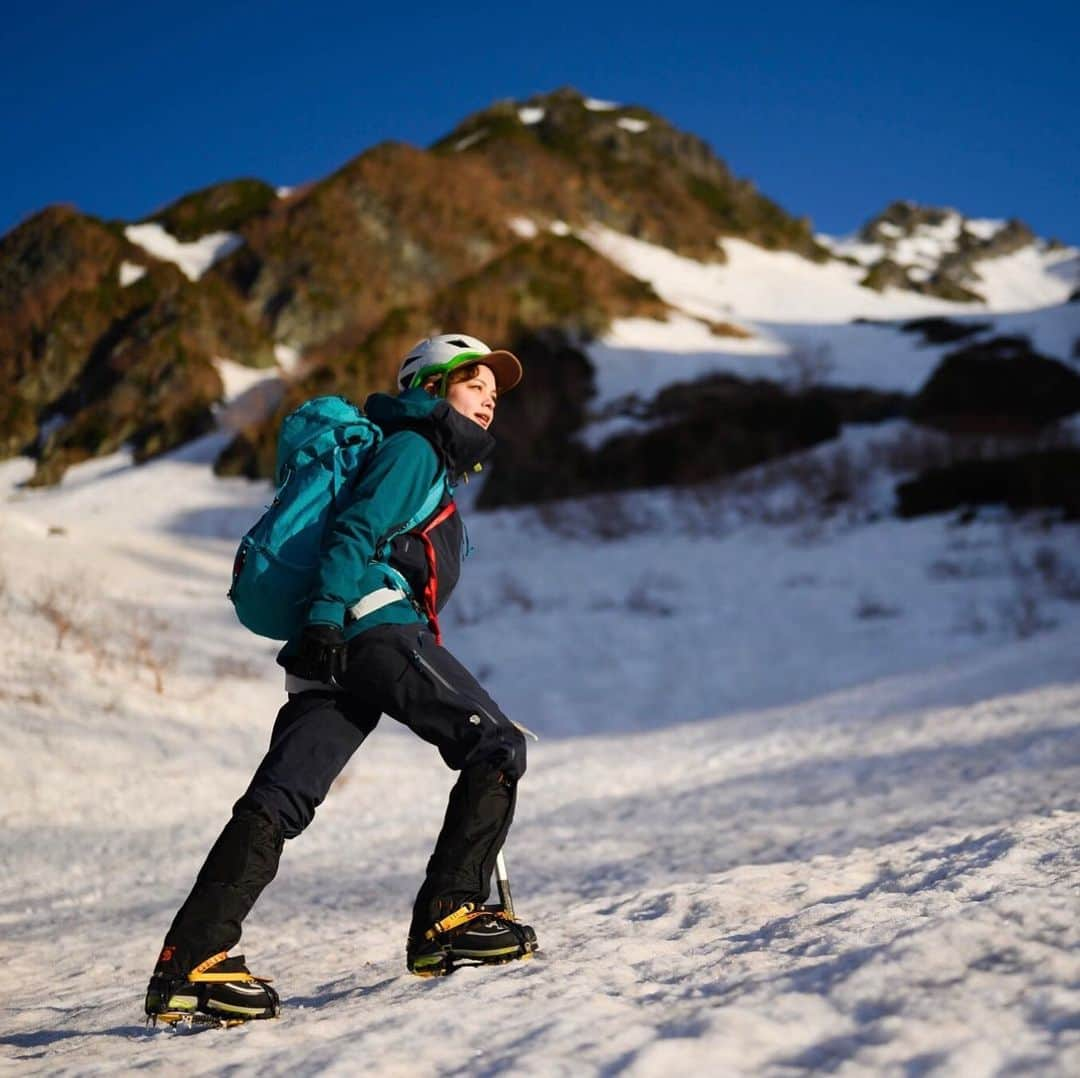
(581, 160)
(930, 249)
(586, 128)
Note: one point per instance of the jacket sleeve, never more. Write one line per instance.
(391, 489)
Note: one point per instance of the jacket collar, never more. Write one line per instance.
(460, 443)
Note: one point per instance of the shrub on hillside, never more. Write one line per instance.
(224, 207)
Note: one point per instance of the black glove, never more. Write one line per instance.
(320, 655)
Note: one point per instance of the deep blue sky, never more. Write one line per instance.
(833, 109)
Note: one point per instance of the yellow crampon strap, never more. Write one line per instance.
(201, 972)
(462, 915)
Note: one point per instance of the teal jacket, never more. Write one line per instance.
(425, 442)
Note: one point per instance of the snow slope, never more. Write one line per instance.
(797, 310)
(805, 799)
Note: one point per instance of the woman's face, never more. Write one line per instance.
(475, 397)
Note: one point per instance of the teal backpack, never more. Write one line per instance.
(323, 446)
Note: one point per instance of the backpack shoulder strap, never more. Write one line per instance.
(428, 505)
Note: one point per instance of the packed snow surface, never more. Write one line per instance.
(805, 799)
(194, 258)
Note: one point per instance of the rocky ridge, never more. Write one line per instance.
(110, 334)
(104, 341)
(930, 250)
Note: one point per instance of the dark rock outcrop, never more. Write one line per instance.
(1043, 480)
(886, 274)
(537, 457)
(997, 386)
(936, 330)
(712, 428)
(692, 432)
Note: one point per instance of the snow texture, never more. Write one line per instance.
(805, 800)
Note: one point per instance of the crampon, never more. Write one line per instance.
(471, 936)
(220, 992)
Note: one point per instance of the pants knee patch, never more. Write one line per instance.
(501, 748)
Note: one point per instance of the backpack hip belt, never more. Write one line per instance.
(373, 601)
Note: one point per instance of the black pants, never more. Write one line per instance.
(401, 671)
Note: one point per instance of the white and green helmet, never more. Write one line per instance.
(440, 355)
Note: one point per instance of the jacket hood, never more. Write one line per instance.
(460, 443)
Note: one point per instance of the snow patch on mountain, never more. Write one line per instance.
(288, 357)
(194, 258)
(1028, 279)
(524, 227)
(779, 286)
(921, 250)
(470, 139)
(251, 394)
(756, 284)
(999, 261)
(130, 272)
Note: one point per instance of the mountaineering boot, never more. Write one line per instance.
(221, 987)
(480, 936)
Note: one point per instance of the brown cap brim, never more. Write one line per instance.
(505, 366)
